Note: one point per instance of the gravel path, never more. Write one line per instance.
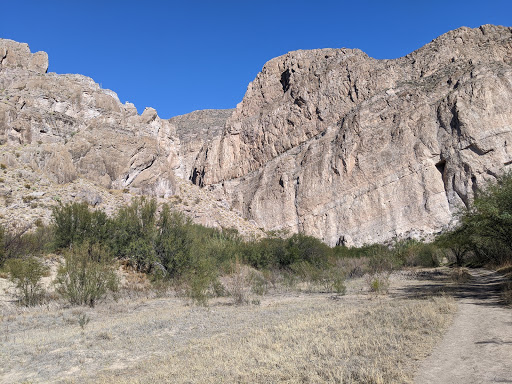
(478, 346)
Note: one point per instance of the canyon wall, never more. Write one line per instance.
(354, 150)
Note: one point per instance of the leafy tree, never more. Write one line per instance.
(459, 242)
(75, 223)
(485, 227)
(305, 248)
(173, 241)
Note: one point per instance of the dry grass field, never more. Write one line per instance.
(289, 336)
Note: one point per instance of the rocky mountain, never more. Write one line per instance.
(64, 138)
(353, 150)
(330, 142)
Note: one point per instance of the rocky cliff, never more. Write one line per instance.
(196, 130)
(64, 138)
(353, 150)
(76, 128)
(331, 142)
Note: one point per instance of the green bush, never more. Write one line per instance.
(174, 241)
(26, 274)
(258, 283)
(333, 280)
(265, 253)
(199, 282)
(87, 275)
(305, 248)
(20, 243)
(133, 232)
(414, 253)
(485, 226)
(2, 246)
(378, 282)
(74, 223)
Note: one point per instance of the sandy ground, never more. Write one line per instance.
(478, 346)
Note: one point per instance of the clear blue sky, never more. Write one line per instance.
(179, 56)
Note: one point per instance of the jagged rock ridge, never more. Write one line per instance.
(354, 150)
(56, 130)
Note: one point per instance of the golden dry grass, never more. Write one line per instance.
(290, 337)
(374, 342)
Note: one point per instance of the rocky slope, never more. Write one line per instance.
(350, 149)
(63, 138)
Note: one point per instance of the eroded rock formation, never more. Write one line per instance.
(330, 142)
(353, 150)
(81, 129)
(68, 139)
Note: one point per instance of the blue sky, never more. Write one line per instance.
(180, 56)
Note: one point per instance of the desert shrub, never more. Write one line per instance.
(75, 223)
(26, 274)
(198, 283)
(333, 280)
(416, 254)
(20, 242)
(380, 261)
(265, 253)
(354, 266)
(237, 284)
(460, 275)
(219, 246)
(87, 274)
(173, 241)
(506, 293)
(378, 282)
(459, 244)
(133, 232)
(258, 283)
(305, 248)
(486, 224)
(2, 246)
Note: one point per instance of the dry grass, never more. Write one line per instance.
(376, 342)
(506, 294)
(290, 337)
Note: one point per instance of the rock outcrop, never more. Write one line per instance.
(330, 142)
(76, 128)
(65, 138)
(353, 150)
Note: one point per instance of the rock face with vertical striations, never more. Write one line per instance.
(354, 150)
(196, 130)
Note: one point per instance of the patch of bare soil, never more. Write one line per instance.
(478, 345)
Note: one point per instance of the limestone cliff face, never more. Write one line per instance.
(196, 130)
(63, 138)
(335, 144)
(74, 128)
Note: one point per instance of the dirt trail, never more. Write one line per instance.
(478, 346)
